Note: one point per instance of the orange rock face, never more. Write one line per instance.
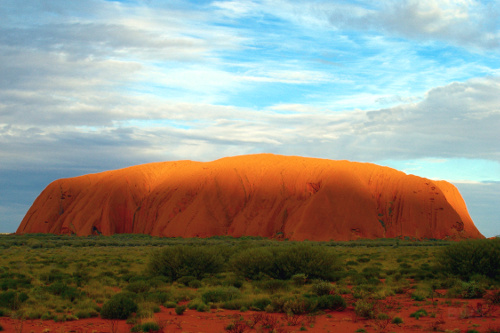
(265, 195)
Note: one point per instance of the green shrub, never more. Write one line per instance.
(322, 288)
(382, 316)
(233, 280)
(299, 279)
(418, 297)
(202, 308)
(12, 300)
(139, 286)
(33, 314)
(372, 272)
(299, 305)
(397, 320)
(331, 302)
(194, 304)
(253, 263)
(88, 313)
(170, 305)
(220, 294)
(236, 304)
(181, 260)
(195, 284)
(260, 303)
(179, 309)
(468, 258)
(54, 275)
(317, 262)
(47, 316)
(150, 327)
(158, 297)
(61, 289)
(185, 280)
(419, 313)
(471, 290)
(120, 306)
(364, 308)
(14, 281)
(146, 327)
(272, 285)
(362, 291)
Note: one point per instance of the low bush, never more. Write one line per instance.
(158, 297)
(253, 263)
(364, 308)
(419, 313)
(146, 327)
(12, 300)
(89, 313)
(179, 309)
(54, 275)
(170, 305)
(471, 290)
(177, 261)
(194, 304)
(195, 284)
(467, 258)
(372, 272)
(282, 263)
(236, 304)
(299, 279)
(14, 281)
(220, 294)
(322, 288)
(140, 286)
(272, 285)
(185, 280)
(202, 307)
(120, 306)
(331, 302)
(64, 291)
(233, 280)
(261, 303)
(299, 305)
(397, 320)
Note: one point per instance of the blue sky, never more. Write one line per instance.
(87, 86)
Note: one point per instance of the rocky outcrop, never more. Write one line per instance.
(265, 195)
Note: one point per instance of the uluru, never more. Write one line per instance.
(274, 196)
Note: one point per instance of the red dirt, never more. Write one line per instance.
(448, 314)
(255, 195)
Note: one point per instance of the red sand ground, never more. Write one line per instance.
(254, 195)
(448, 314)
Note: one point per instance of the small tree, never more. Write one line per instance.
(120, 306)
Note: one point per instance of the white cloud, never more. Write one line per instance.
(463, 23)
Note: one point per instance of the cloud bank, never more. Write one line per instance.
(86, 88)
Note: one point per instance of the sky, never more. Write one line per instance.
(95, 85)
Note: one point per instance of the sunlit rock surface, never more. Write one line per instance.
(273, 196)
